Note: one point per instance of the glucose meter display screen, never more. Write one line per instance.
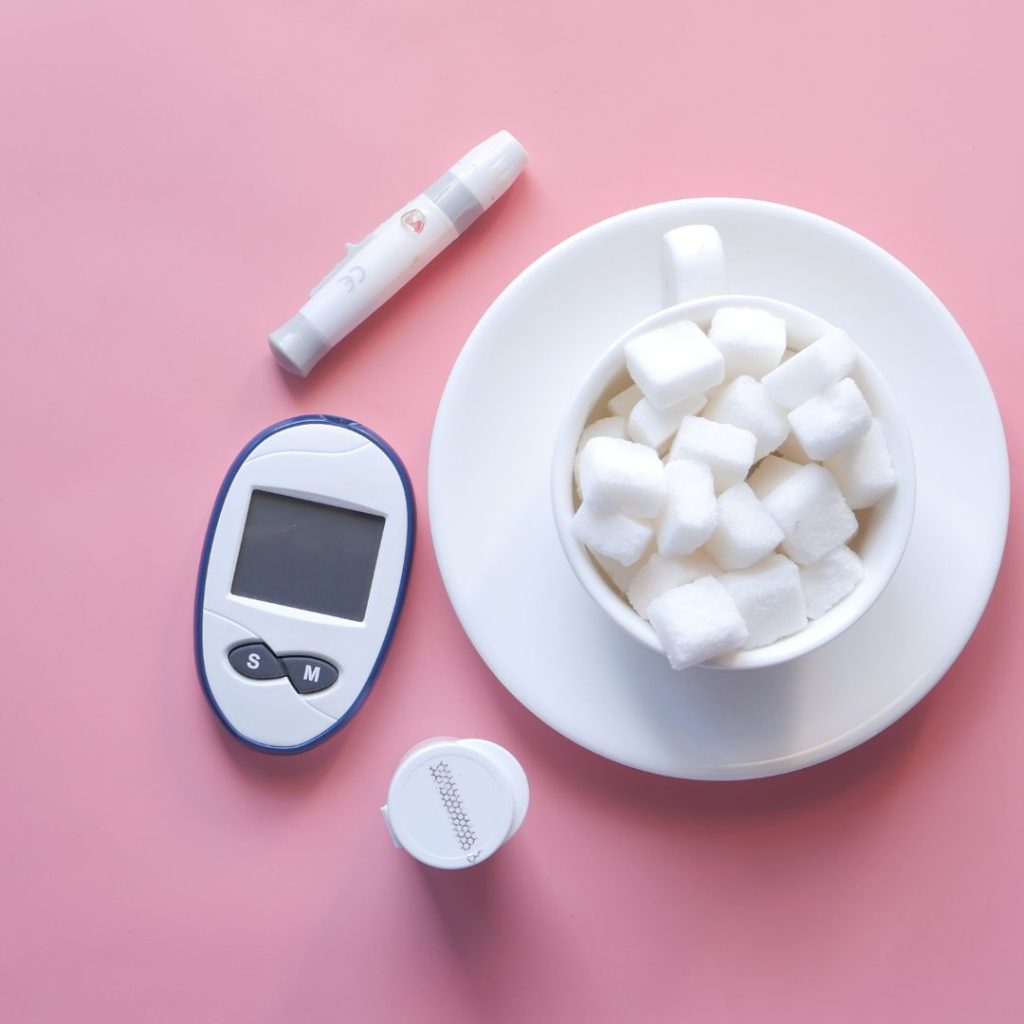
(305, 554)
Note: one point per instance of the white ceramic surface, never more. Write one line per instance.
(525, 611)
(880, 541)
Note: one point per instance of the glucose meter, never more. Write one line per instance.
(302, 579)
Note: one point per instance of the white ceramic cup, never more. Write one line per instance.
(884, 529)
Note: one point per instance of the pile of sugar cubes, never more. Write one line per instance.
(719, 493)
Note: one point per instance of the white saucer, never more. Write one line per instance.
(554, 649)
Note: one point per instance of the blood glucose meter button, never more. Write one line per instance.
(309, 675)
(255, 661)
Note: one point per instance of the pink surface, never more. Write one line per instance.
(175, 175)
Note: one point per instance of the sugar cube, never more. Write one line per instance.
(792, 450)
(728, 451)
(622, 403)
(770, 472)
(831, 421)
(745, 403)
(618, 537)
(809, 372)
(647, 424)
(770, 599)
(658, 575)
(696, 622)
(751, 340)
(864, 471)
(621, 476)
(812, 512)
(674, 362)
(745, 532)
(829, 580)
(620, 575)
(690, 510)
(693, 263)
(610, 426)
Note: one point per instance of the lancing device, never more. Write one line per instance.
(390, 256)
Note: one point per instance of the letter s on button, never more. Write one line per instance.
(255, 661)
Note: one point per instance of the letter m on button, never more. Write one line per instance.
(311, 673)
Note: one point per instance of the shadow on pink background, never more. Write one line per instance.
(175, 177)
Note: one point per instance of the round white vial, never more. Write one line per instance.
(452, 803)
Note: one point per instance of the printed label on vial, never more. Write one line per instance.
(451, 801)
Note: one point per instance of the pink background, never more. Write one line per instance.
(174, 177)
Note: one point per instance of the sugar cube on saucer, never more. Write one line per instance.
(864, 471)
(658, 574)
(744, 532)
(829, 580)
(618, 537)
(647, 424)
(770, 472)
(812, 512)
(674, 362)
(813, 369)
(620, 575)
(792, 450)
(727, 450)
(696, 622)
(770, 599)
(610, 426)
(690, 510)
(621, 476)
(831, 421)
(751, 340)
(622, 403)
(745, 402)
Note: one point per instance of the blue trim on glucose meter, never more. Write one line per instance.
(399, 601)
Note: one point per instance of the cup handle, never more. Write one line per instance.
(692, 264)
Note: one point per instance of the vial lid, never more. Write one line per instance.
(450, 805)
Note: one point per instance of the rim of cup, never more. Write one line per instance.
(880, 540)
